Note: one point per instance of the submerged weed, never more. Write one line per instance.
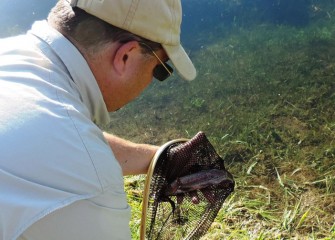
(265, 98)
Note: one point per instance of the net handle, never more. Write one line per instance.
(148, 182)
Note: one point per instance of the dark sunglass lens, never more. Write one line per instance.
(160, 73)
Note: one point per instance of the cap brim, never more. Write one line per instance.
(181, 61)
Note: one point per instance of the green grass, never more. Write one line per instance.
(265, 98)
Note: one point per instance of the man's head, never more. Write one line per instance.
(158, 21)
(125, 42)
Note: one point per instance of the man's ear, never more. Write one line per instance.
(122, 56)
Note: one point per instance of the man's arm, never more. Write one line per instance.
(134, 158)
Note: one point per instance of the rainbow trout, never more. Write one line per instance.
(197, 181)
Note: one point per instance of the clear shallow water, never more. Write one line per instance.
(241, 48)
(199, 16)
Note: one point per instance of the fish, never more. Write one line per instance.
(196, 181)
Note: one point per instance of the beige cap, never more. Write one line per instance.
(156, 20)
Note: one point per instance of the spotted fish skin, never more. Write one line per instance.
(196, 181)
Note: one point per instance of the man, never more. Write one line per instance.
(61, 177)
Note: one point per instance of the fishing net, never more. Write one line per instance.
(185, 190)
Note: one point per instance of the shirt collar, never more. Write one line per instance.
(78, 68)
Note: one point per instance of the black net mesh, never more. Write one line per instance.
(188, 187)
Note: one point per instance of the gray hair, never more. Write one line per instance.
(91, 33)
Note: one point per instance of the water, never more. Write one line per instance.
(264, 96)
(247, 52)
(16, 16)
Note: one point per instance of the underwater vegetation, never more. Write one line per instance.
(265, 97)
(227, 15)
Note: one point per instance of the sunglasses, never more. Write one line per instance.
(163, 70)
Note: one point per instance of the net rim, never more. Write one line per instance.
(148, 182)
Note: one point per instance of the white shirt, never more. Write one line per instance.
(58, 175)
